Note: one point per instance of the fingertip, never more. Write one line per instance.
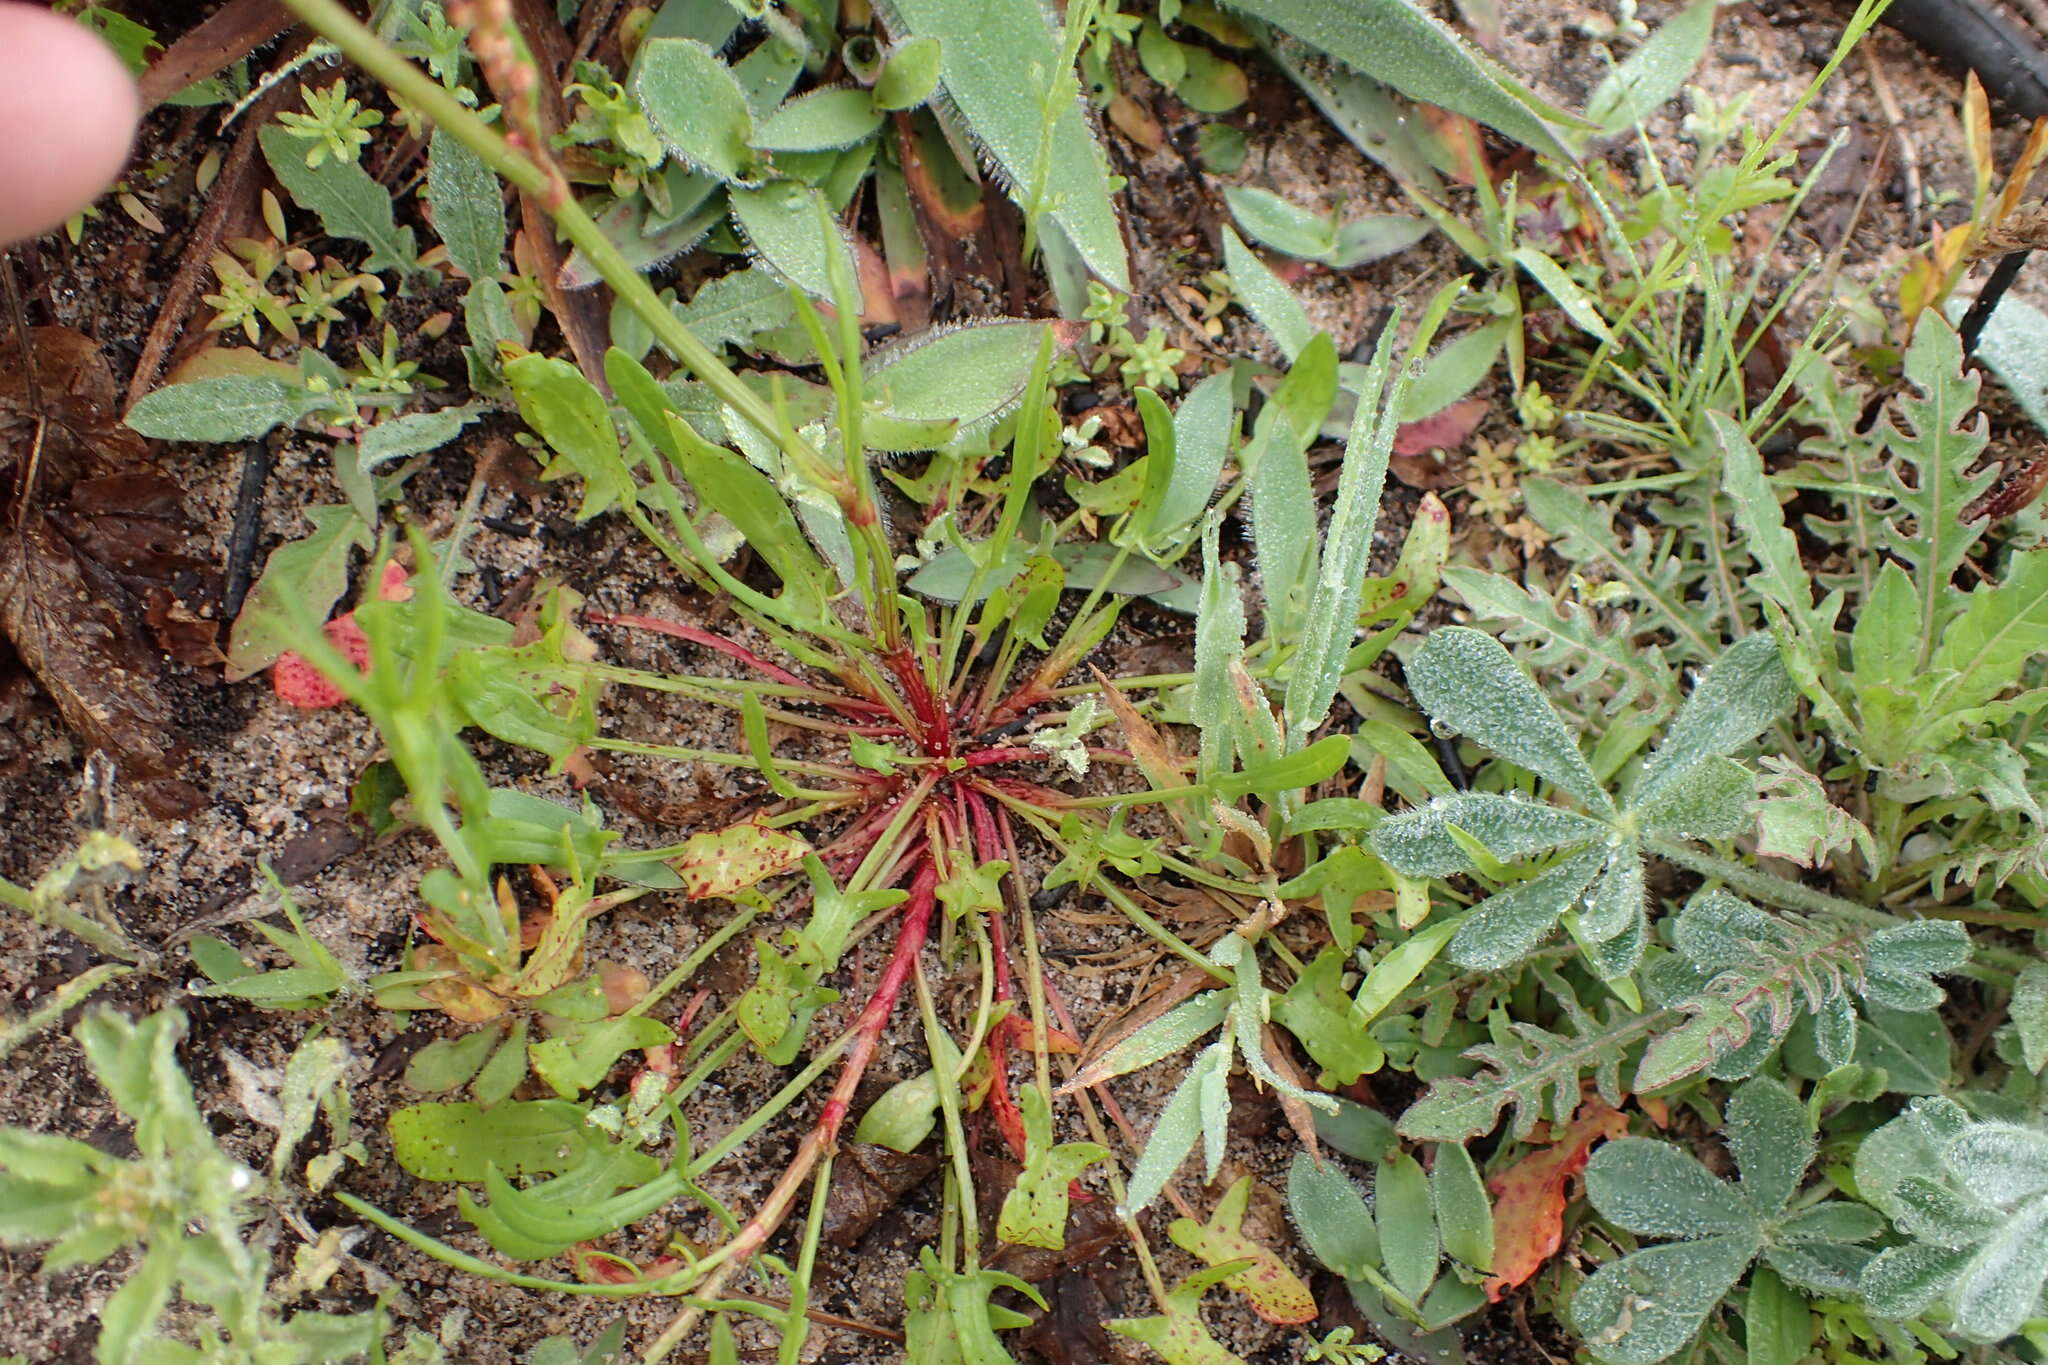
(68, 113)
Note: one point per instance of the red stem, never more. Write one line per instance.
(734, 650)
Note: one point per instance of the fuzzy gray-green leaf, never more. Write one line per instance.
(1654, 72)
(349, 202)
(1711, 799)
(696, 107)
(1465, 680)
(1649, 1304)
(1745, 690)
(1418, 843)
(1771, 1138)
(1331, 619)
(468, 207)
(1506, 927)
(997, 59)
(822, 120)
(229, 407)
(1655, 1190)
(1402, 44)
(1268, 300)
(786, 225)
(1332, 1217)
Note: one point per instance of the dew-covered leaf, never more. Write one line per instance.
(789, 228)
(1418, 843)
(1332, 1217)
(468, 207)
(1654, 1190)
(1713, 798)
(1404, 45)
(1467, 682)
(1181, 1122)
(1405, 1215)
(1507, 926)
(1463, 1215)
(1649, 1304)
(1771, 1138)
(1745, 690)
(822, 120)
(1654, 72)
(697, 107)
(228, 407)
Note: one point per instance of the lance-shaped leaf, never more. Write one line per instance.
(1163, 1037)
(1332, 616)
(997, 61)
(1466, 681)
(1400, 43)
(1506, 927)
(1745, 690)
(1419, 843)
(1190, 1113)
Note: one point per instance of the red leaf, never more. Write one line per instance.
(1445, 430)
(1529, 1197)
(304, 686)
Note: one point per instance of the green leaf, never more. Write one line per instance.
(1898, 962)
(2029, 1011)
(446, 1063)
(1201, 445)
(2014, 345)
(573, 418)
(1419, 843)
(1281, 224)
(128, 1317)
(459, 1142)
(1654, 1190)
(468, 207)
(1742, 694)
(1649, 1304)
(1987, 647)
(398, 438)
(1577, 304)
(909, 75)
(2000, 1286)
(307, 575)
(228, 407)
(823, 120)
(789, 227)
(1506, 927)
(1770, 1136)
(697, 107)
(349, 202)
(2001, 1164)
(1653, 73)
(580, 1060)
(734, 309)
(1465, 680)
(997, 60)
(1928, 532)
(1271, 303)
(1316, 1011)
(967, 375)
(1387, 978)
(1454, 370)
(1182, 1121)
(1287, 773)
(1402, 44)
(743, 495)
(1405, 1217)
(1329, 622)
(1332, 1217)
(1034, 1212)
(1710, 799)
(1462, 1210)
(1912, 1048)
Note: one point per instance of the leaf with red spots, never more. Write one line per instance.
(719, 862)
(1529, 1197)
(1276, 1293)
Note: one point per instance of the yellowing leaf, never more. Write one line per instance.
(1528, 1197)
(721, 861)
(1276, 1293)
